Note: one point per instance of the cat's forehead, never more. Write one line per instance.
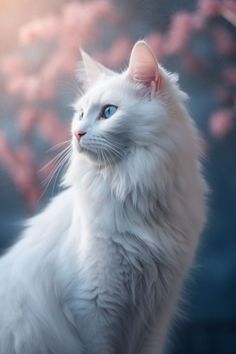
(109, 90)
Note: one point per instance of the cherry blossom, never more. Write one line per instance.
(221, 123)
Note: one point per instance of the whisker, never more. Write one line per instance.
(60, 162)
(111, 159)
(117, 144)
(106, 144)
(108, 148)
(57, 163)
(107, 140)
(116, 151)
(50, 177)
(55, 158)
(59, 145)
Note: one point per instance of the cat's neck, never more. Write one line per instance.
(119, 188)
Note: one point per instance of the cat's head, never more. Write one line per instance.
(121, 113)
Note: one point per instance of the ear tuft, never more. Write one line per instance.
(143, 66)
(92, 68)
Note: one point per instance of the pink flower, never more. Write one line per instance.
(224, 94)
(30, 33)
(32, 87)
(224, 41)
(71, 16)
(25, 177)
(81, 19)
(229, 75)
(156, 42)
(47, 91)
(179, 33)
(198, 21)
(4, 148)
(27, 119)
(46, 27)
(221, 123)
(52, 67)
(15, 85)
(209, 7)
(7, 155)
(120, 51)
(117, 54)
(193, 64)
(12, 65)
(104, 9)
(69, 63)
(51, 128)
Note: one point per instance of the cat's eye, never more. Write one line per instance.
(108, 111)
(81, 114)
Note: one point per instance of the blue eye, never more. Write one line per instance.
(108, 111)
(81, 115)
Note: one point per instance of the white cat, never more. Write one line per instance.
(100, 269)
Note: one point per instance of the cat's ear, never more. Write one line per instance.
(92, 69)
(143, 67)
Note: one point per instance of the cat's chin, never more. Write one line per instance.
(94, 158)
(99, 158)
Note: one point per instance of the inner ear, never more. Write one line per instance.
(143, 67)
(92, 69)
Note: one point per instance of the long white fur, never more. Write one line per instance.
(100, 269)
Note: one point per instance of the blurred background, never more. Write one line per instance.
(39, 56)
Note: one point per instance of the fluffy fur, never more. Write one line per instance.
(100, 269)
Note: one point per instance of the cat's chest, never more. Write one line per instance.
(100, 255)
(100, 297)
(108, 266)
(103, 269)
(107, 250)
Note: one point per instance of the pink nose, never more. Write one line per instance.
(79, 134)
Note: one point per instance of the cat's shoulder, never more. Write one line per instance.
(43, 230)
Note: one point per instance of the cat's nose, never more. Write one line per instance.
(79, 134)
